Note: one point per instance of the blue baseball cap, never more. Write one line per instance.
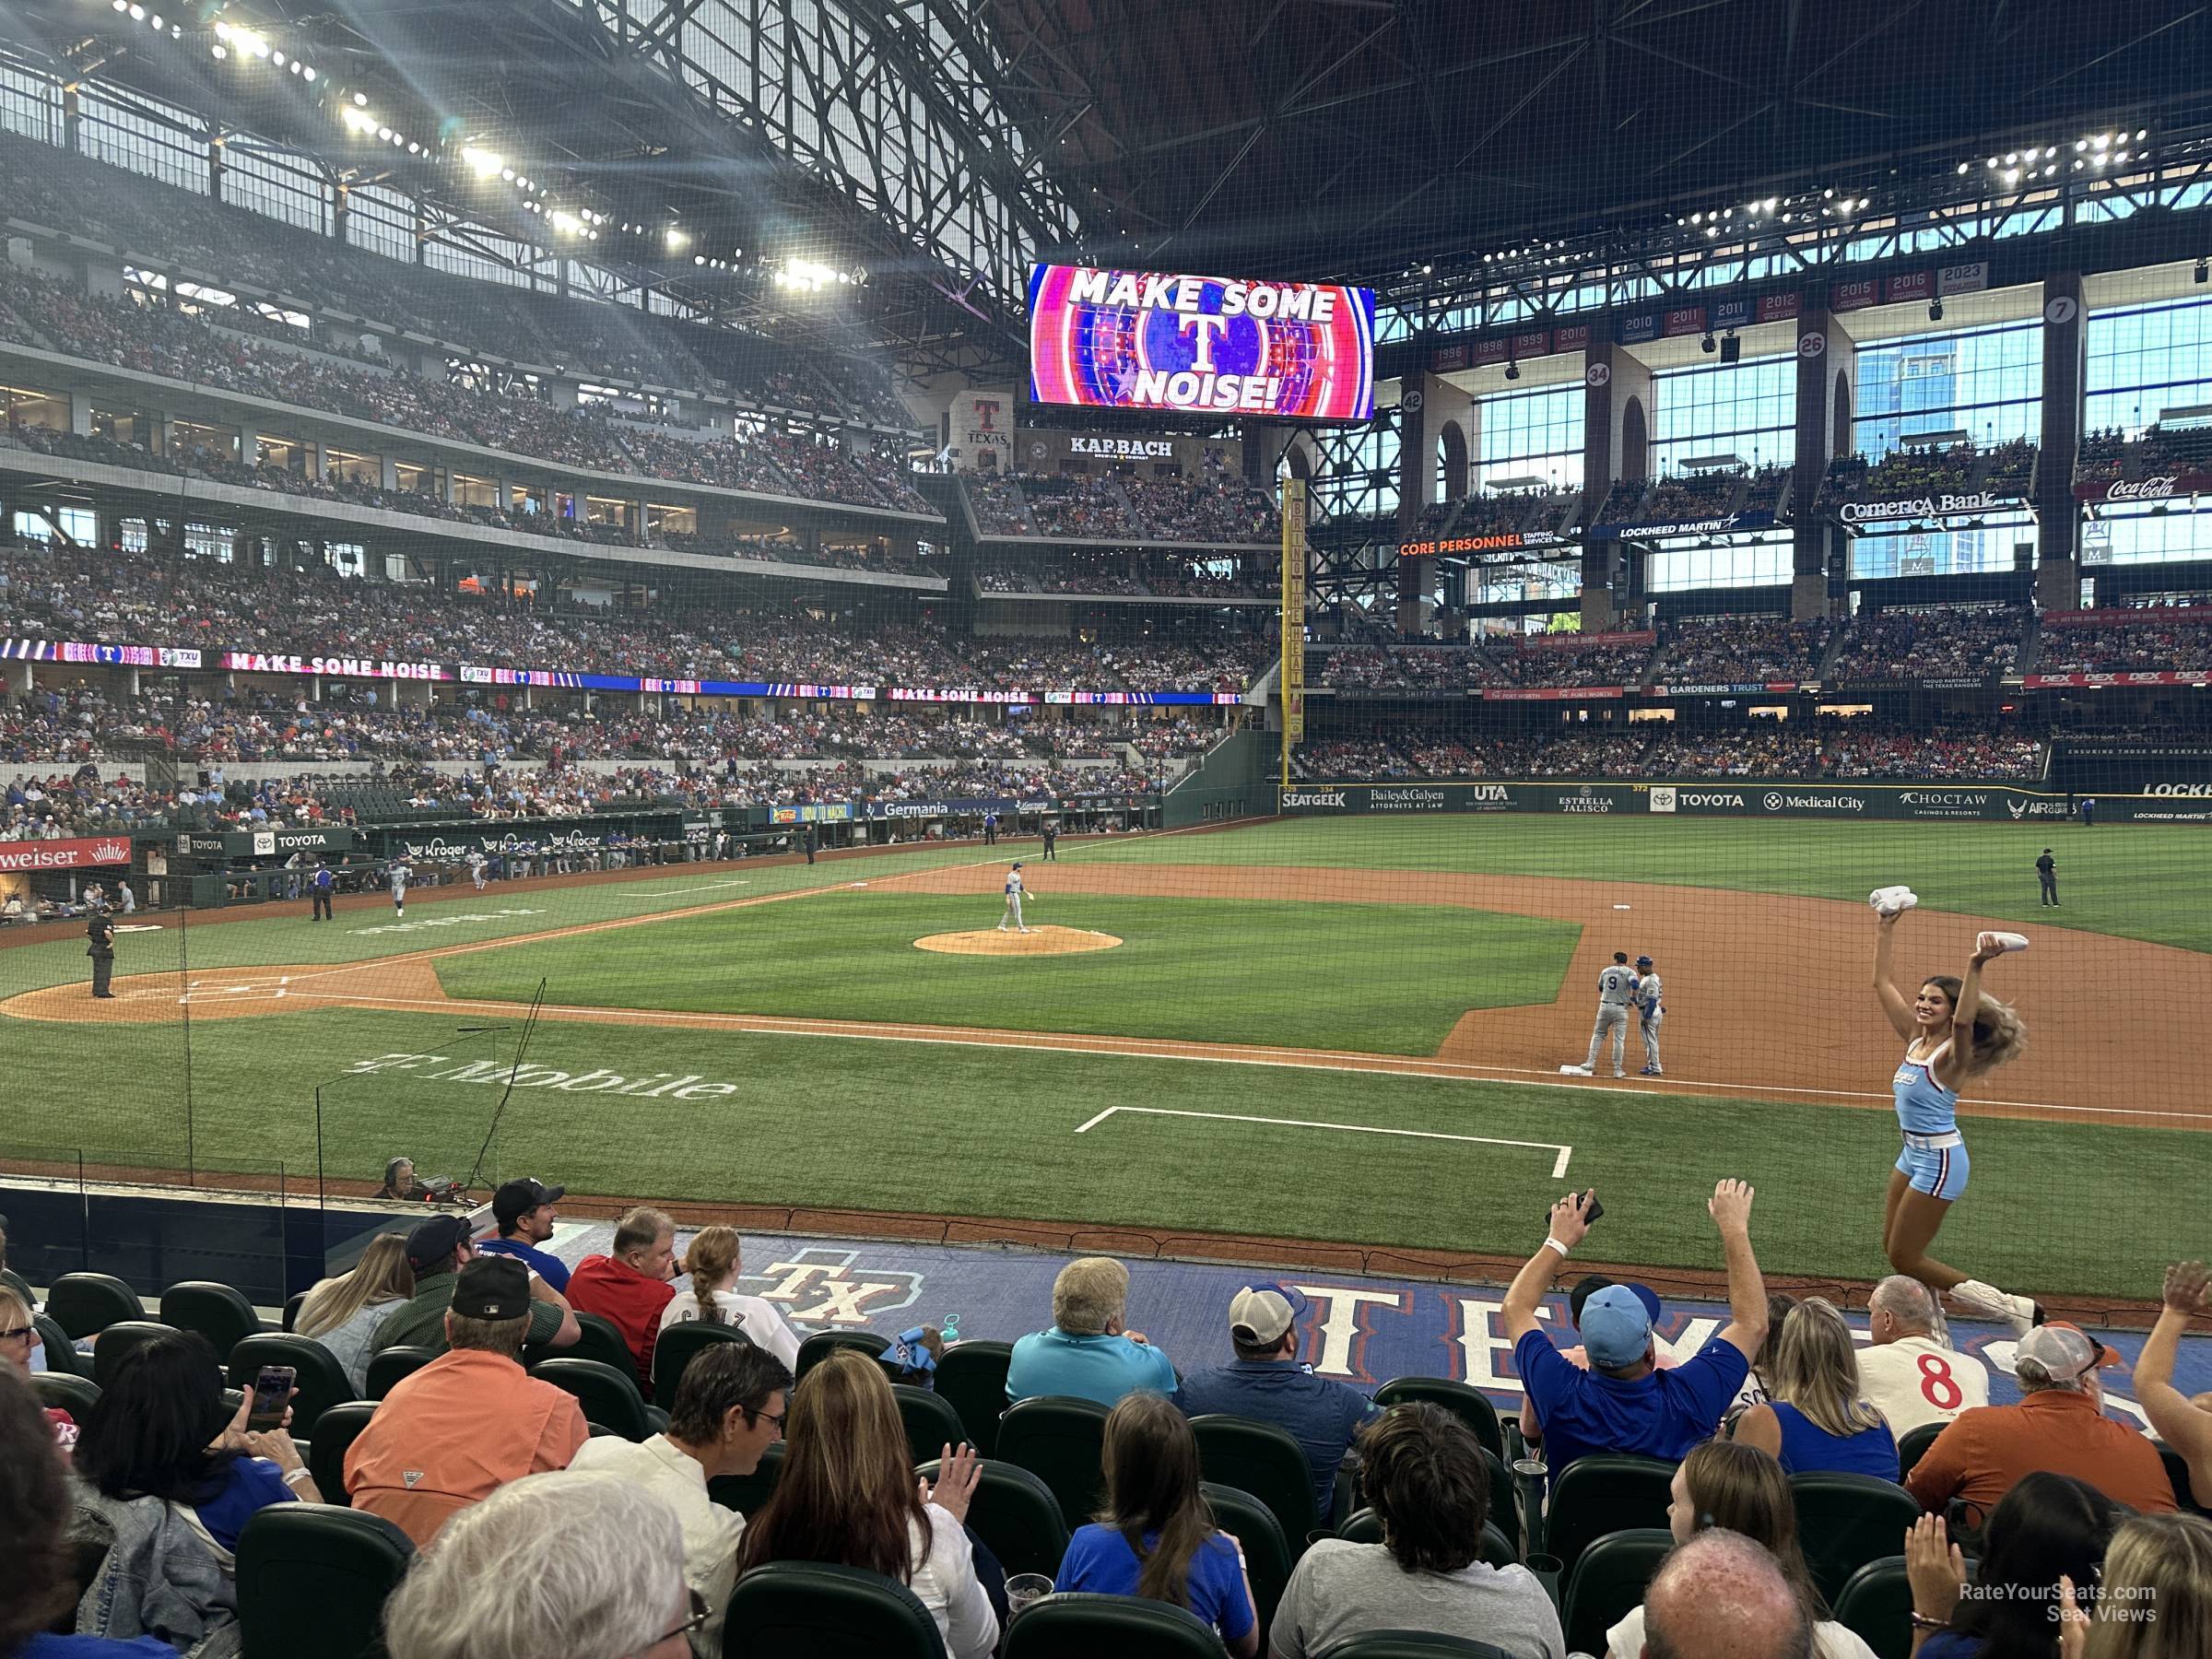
(1616, 1324)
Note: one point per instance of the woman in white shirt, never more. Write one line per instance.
(1730, 1483)
(847, 1495)
(715, 1264)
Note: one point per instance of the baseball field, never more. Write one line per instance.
(1346, 1032)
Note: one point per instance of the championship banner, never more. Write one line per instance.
(1292, 624)
(1175, 343)
(20, 857)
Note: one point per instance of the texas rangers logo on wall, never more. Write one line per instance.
(1139, 340)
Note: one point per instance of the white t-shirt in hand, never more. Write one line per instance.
(1916, 1381)
(1340, 1589)
(762, 1321)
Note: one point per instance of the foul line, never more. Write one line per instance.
(1559, 1166)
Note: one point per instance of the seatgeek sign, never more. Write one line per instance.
(1177, 343)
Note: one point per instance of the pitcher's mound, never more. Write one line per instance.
(1038, 941)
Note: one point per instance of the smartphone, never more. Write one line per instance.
(1591, 1214)
(272, 1396)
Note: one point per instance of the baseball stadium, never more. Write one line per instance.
(962, 680)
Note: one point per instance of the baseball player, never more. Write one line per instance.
(476, 862)
(1014, 894)
(1646, 998)
(1616, 988)
(400, 876)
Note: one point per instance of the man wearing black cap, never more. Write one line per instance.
(100, 932)
(470, 1421)
(438, 1248)
(524, 1210)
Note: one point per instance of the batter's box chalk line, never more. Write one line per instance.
(1558, 1164)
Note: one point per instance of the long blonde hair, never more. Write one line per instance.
(2156, 1601)
(2000, 1034)
(1816, 1371)
(713, 1256)
(381, 1275)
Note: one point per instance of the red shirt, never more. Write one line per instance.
(615, 1290)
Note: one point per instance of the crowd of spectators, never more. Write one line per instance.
(1577, 660)
(1117, 573)
(1214, 507)
(1686, 498)
(1911, 471)
(2109, 454)
(1411, 668)
(1725, 650)
(2133, 641)
(1979, 642)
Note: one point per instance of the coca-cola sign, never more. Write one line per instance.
(2159, 487)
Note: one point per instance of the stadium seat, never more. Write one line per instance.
(291, 1310)
(746, 1493)
(1074, 1624)
(2177, 1471)
(676, 1347)
(598, 1340)
(322, 1381)
(1267, 1553)
(1364, 1527)
(20, 1284)
(1471, 1405)
(1061, 1440)
(314, 1577)
(1606, 1491)
(1410, 1645)
(1877, 1603)
(789, 1607)
(84, 1304)
(218, 1313)
(65, 1390)
(1609, 1580)
(389, 1365)
(1845, 1520)
(609, 1396)
(119, 1341)
(60, 1353)
(930, 1424)
(1266, 1461)
(1913, 1445)
(1015, 1514)
(822, 1344)
(334, 1435)
(973, 1375)
(1505, 1497)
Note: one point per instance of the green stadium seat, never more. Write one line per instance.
(1913, 1445)
(1061, 1440)
(1364, 1527)
(931, 1423)
(322, 1381)
(679, 1345)
(788, 1607)
(335, 1434)
(1015, 1514)
(120, 1341)
(84, 1304)
(60, 1353)
(65, 1390)
(217, 1311)
(1877, 1604)
(1609, 1580)
(746, 1493)
(291, 1310)
(1845, 1520)
(1266, 1461)
(2177, 1472)
(389, 1365)
(1471, 1405)
(20, 1284)
(596, 1339)
(822, 1344)
(1267, 1553)
(313, 1578)
(1410, 1645)
(973, 1375)
(1605, 1492)
(609, 1397)
(1073, 1625)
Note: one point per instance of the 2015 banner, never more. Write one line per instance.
(1176, 343)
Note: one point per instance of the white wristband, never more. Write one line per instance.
(1555, 1245)
(294, 1477)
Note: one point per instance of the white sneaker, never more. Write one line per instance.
(2020, 1312)
(1575, 1071)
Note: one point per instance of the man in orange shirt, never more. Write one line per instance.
(471, 1420)
(631, 1284)
(2059, 1424)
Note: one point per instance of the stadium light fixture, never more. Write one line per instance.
(361, 100)
(218, 52)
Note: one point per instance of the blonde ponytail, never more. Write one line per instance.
(712, 1254)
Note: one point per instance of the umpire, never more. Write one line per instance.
(2046, 873)
(100, 931)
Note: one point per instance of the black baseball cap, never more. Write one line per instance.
(492, 1287)
(430, 1244)
(516, 1199)
(1644, 962)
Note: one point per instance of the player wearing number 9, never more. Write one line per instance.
(1910, 1373)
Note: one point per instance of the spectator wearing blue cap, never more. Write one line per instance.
(1623, 1402)
(1267, 1383)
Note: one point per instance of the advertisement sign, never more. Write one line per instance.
(1740, 797)
(109, 657)
(1501, 541)
(2158, 615)
(1292, 621)
(31, 856)
(1924, 507)
(1761, 519)
(2199, 679)
(1579, 641)
(2159, 487)
(1547, 693)
(335, 667)
(1175, 343)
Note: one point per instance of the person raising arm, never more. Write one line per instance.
(2181, 1422)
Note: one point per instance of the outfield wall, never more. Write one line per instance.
(1990, 802)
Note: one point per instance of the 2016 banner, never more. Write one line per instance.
(1165, 341)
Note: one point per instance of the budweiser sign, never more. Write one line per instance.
(18, 857)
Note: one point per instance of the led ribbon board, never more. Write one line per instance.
(1203, 345)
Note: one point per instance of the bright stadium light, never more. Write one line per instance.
(362, 100)
(483, 161)
(307, 72)
(218, 52)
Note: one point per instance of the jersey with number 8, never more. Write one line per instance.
(1919, 1380)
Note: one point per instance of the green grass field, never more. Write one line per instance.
(880, 1125)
